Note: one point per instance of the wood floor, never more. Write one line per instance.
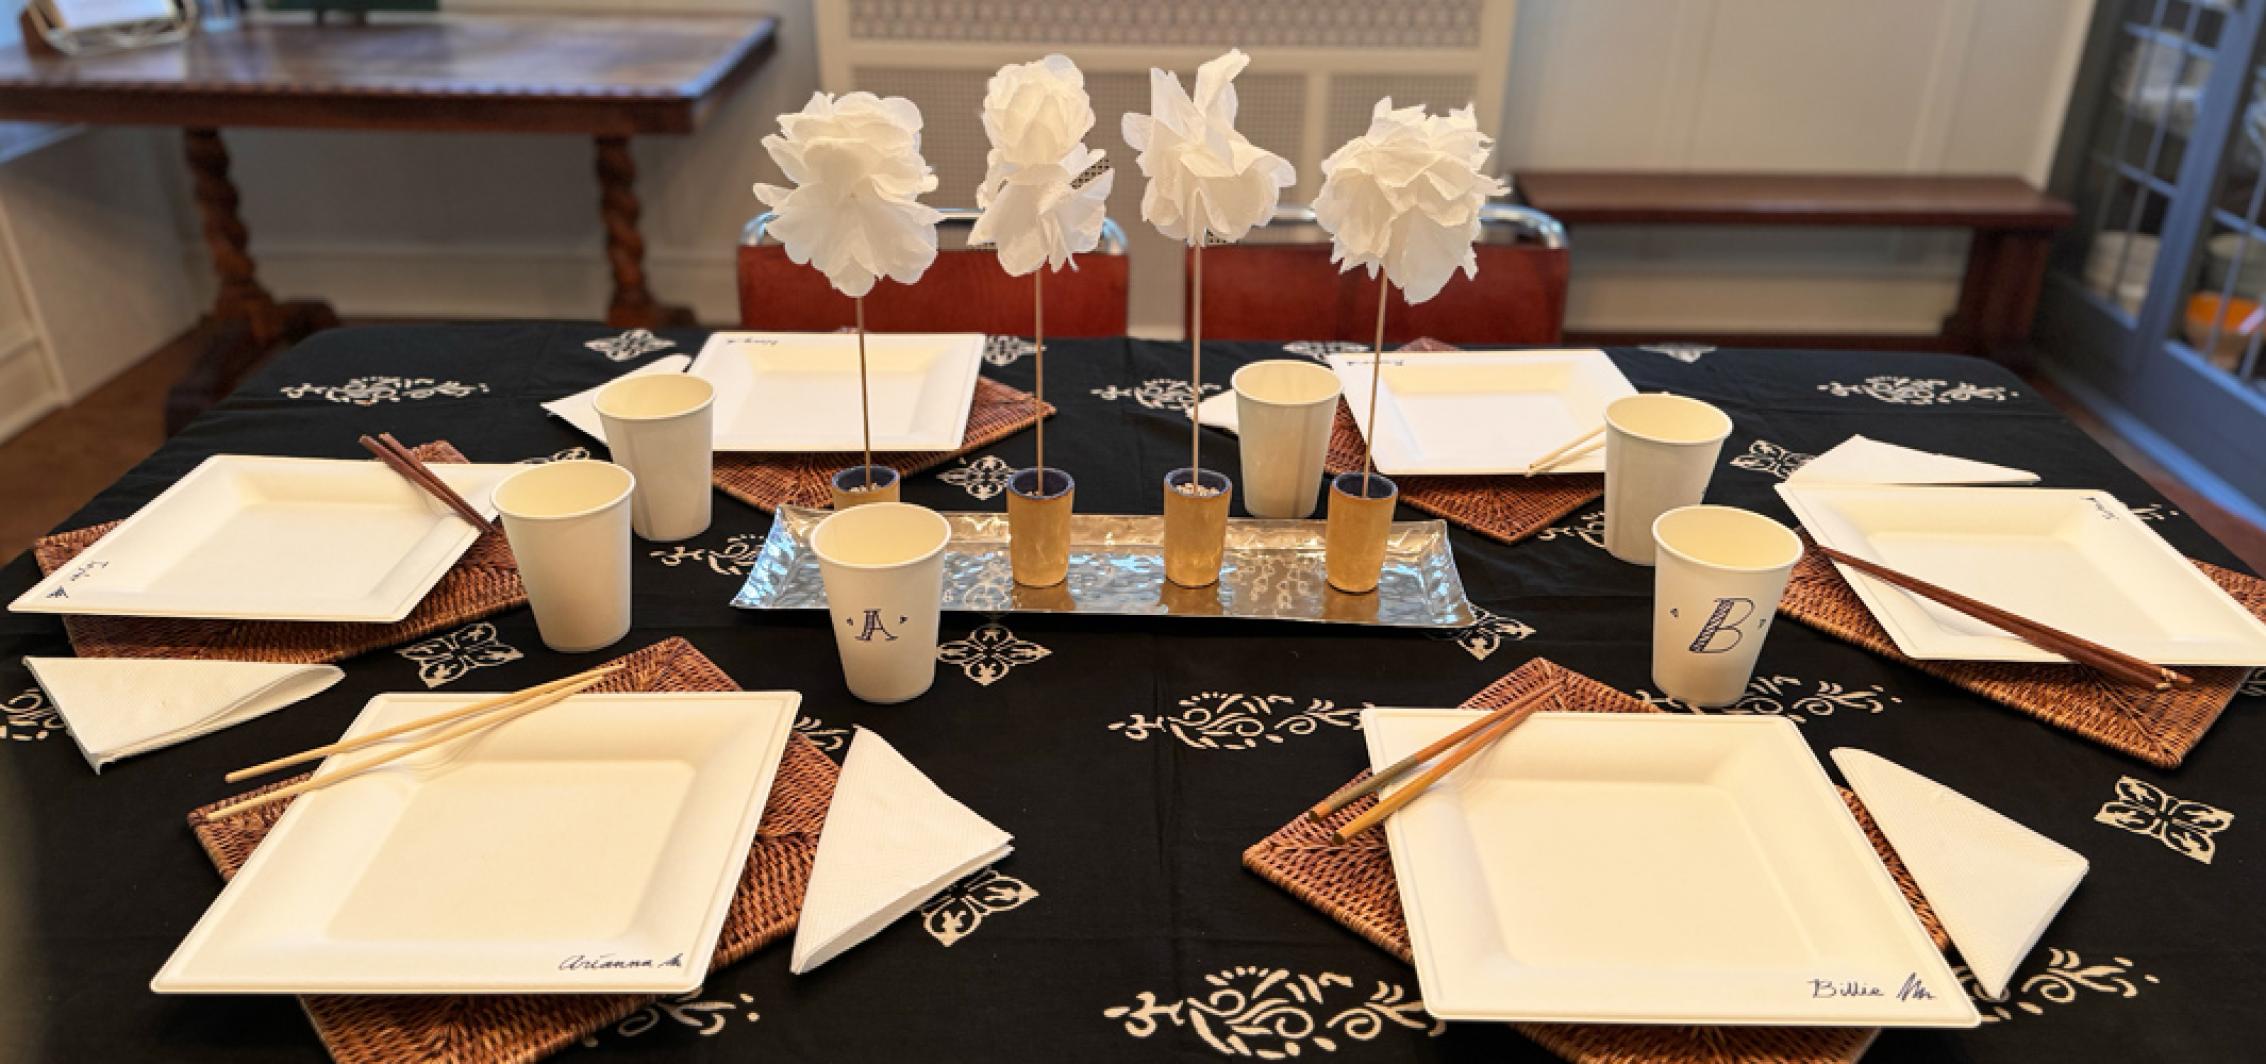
(54, 467)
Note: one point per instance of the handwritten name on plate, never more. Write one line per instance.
(608, 962)
(1912, 990)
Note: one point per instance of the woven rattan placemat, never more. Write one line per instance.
(768, 481)
(516, 1028)
(2158, 727)
(1353, 884)
(1502, 508)
(484, 582)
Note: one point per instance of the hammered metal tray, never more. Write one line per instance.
(1273, 571)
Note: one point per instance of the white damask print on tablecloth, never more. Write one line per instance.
(1919, 391)
(1217, 720)
(2189, 829)
(1157, 393)
(446, 658)
(983, 478)
(1679, 352)
(1007, 350)
(962, 908)
(1766, 457)
(2253, 685)
(826, 739)
(1275, 1013)
(732, 559)
(370, 391)
(989, 653)
(1588, 527)
(1789, 697)
(704, 1016)
(1487, 633)
(2153, 511)
(2066, 977)
(569, 454)
(629, 345)
(1321, 350)
(31, 717)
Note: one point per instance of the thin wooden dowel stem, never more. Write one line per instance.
(1038, 396)
(1196, 366)
(865, 403)
(1376, 371)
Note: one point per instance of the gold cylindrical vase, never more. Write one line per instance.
(1038, 525)
(1195, 525)
(1361, 519)
(850, 486)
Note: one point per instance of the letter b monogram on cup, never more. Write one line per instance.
(1725, 626)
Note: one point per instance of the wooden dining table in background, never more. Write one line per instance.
(607, 78)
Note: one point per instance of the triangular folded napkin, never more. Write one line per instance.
(118, 707)
(892, 840)
(581, 410)
(1218, 412)
(1858, 460)
(1994, 883)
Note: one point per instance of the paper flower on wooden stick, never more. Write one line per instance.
(856, 166)
(1207, 182)
(1405, 197)
(1037, 116)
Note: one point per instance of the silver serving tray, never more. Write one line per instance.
(1272, 571)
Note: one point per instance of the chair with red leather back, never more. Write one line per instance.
(963, 291)
(1280, 285)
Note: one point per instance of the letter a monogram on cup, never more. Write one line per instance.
(883, 567)
(1719, 572)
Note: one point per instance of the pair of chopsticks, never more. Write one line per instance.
(486, 713)
(1578, 447)
(1467, 740)
(2114, 663)
(395, 456)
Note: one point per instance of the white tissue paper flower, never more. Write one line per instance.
(856, 164)
(1405, 196)
(1206, 181)
(1037, 116)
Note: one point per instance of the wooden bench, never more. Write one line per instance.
(2012, 227)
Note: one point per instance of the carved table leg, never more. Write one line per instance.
(633, 305)
(246, 323)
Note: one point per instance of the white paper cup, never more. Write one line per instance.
(568, 523)
(658, 427)
(883, 567)
(1714, 594)
(1660, 451)
(1283, 410)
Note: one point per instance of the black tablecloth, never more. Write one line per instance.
(1134, 760)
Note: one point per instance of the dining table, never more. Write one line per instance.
(1134, 759)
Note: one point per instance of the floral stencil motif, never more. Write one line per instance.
(828, 740)
(1787, 696)
(1588, 527)
(30, 716)
(1216, 720)
(2190, 829)
(370, 391)
(1321, 350)
(570, 454)
(1158, 393)
(2253, 685)
(734, 558)
(446, 658)
(989, 653)
(1275, 1013)
(1679, 352)
(1487, 633)
(2153, 511)
(2066, 974)
(983, 478)
(706, 1017)
(1007, 350)
(629, 345)
(1764, 456)
(961, 909)
(1919, 391)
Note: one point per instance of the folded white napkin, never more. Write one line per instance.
(1994, 883)
(1858, 460)
(580, 409)
(1218, 412)
(892, 840)
(118, 707)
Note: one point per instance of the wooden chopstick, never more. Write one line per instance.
(1578, 453)
(2115, 663)
(1560, 456)
(1392, 803)
(461, 729)
(459, 713)
(1348, 794)
(398, 458)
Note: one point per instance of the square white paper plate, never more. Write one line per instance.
(2074, 559)
(1448, 413)
(1651, 868)
(245, 537)
(799, 391)
(589, 847)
